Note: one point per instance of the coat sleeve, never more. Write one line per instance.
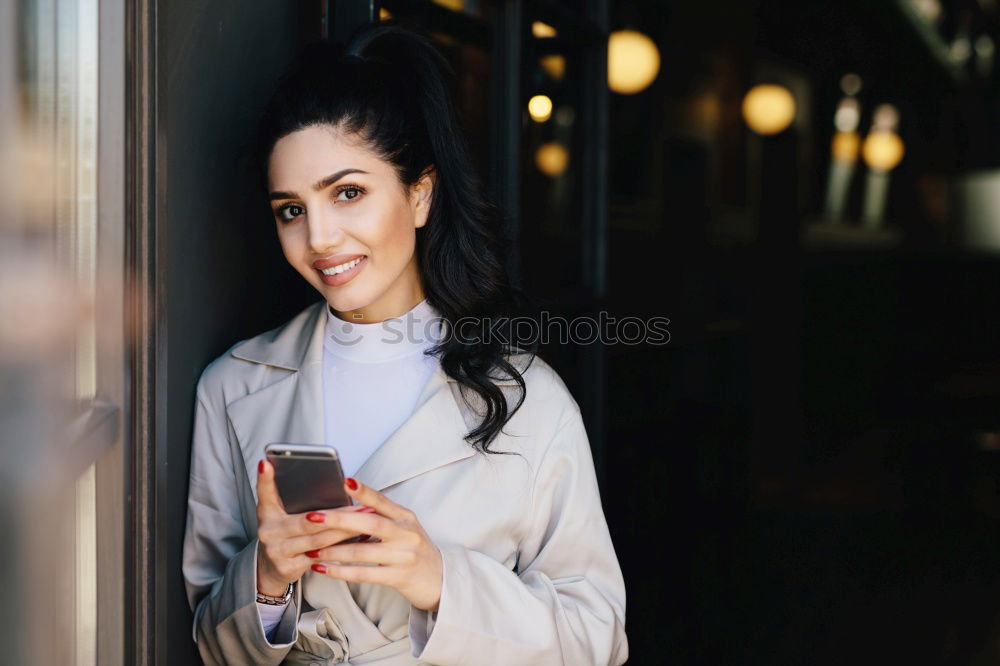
(220, 557)
(565, 601)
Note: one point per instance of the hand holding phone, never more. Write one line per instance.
(285, 540)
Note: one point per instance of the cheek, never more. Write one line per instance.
(292, 243)
(395, 236)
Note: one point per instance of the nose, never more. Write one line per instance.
(325, 233)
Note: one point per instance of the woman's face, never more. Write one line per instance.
(347, 224)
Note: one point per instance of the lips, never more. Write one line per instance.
(335, 260)
(357, 264)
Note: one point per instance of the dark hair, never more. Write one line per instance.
(391, 85)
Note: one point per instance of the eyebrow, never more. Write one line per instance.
(319, 185)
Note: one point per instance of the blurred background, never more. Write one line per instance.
(808, 472)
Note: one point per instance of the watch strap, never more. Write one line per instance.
(276, 601)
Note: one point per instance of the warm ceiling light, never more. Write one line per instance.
(883, 150)
(455, 5)
(768, 109)
(848, 115)
(384, 15)
(633, 61)
(844, 147)
(850, 84)
(552, 159)
(885, 117)
(554, 65)
(539, 29)
(540, 108)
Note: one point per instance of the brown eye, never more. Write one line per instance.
(290, 212)
(350, 193)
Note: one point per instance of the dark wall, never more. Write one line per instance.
(808, 472)
(224, 278)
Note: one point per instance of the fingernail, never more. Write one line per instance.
(351, 483)
(319, 568)
(260, 467)
(313, 554)
(316, 517)
(365, 509)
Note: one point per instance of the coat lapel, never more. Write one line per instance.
(432, 437)
(291, 409)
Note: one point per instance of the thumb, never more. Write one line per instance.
(268, 498)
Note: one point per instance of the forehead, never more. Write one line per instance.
(313, 153)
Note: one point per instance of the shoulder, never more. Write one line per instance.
(220, 379)
(548, 403)
(241, 368)
(544, 384)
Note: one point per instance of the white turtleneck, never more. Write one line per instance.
(372, 377)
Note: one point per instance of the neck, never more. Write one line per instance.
(413, 331)
(405, 294)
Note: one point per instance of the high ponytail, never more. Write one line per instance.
(390, 85)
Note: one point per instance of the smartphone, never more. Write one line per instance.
(309, 476)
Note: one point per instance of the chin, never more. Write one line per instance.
(345, 302)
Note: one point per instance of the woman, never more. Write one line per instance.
(480, 534)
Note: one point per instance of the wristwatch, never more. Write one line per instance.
(276, 601)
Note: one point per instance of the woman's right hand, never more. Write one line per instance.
(285, 539)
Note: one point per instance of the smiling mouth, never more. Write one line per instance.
(341, 268)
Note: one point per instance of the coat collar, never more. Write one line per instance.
(291, 408)
(299, 343)
(292, 345)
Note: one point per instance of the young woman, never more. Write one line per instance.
(481, 534)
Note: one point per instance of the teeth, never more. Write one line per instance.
(342, 267)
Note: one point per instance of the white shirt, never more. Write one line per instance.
(372, 377)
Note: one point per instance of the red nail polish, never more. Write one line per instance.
(351, 483)
(316, 517)
(319, 568)
(260, 467)
(313, 554)
(364, 509)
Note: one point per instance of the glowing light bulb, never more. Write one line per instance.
(552, 159)
(883, 150)
(539, 29)
(633, 62)
(540, 108)
(848, 115)
(886, 117)
(850, 84)
(554, 65)
(768, 109)
(845, 147)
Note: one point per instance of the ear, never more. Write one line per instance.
(421, 196)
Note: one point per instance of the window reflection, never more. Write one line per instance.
(48, 266)
(551, 208)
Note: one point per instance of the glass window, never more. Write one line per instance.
(62, 359)
(554, 86)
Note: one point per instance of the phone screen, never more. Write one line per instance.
(309, 478)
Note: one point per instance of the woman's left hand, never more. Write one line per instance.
(406, 558)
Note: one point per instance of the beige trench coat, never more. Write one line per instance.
(530, 575)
